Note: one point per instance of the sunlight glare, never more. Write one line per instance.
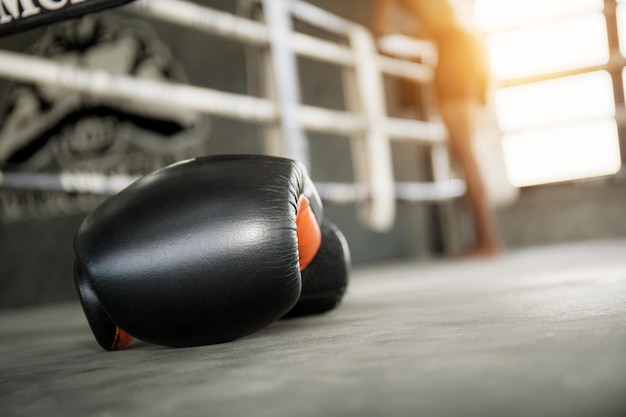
(562, 128)
(575, 98)
(571, 152)
(621, 27)
(563, 45)
(490, 15)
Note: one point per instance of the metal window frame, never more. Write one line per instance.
(614, 67)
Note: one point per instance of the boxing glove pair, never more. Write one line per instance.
(207, 251)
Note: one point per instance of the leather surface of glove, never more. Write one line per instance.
(206, 251)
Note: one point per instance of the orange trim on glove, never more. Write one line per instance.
(121, 339)
(308, 232)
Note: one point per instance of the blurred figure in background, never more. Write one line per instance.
(461, 78)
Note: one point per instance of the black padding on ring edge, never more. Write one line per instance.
(45, 17)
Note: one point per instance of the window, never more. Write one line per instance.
(554, 99)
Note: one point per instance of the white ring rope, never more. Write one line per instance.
(25, 68)
(245, 30)
(337, 193)
(376, 186)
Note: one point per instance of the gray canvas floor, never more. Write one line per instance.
(538, 332)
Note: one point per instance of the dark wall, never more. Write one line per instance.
(557, 213)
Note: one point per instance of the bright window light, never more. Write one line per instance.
(562, 45)
(621, 27)
(575, 98)
(552, 155)
(491, 15)
(559, 129)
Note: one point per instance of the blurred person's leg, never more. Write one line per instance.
(458, 116)
(461, 81)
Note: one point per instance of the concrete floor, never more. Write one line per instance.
(538, 332)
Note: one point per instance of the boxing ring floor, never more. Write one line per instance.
(536, 332)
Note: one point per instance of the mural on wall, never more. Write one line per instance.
(46, 129)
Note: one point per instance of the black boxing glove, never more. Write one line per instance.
(325, 279)
(206, 251)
